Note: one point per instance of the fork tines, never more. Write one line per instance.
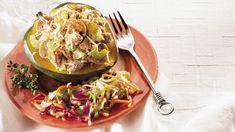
(118, 23)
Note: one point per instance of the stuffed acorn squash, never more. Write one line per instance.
(72, 43)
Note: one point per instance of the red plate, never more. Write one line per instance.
(22, 97)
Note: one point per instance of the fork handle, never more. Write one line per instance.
(146, 75)
(164, 107)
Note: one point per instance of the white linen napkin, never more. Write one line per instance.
(217, 117)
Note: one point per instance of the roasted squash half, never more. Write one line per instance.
(44, 65)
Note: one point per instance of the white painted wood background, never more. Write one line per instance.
(194, 40)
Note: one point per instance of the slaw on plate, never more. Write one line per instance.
(89, 100)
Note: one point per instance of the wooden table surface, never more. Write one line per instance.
(195, 43)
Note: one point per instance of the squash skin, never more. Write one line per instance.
(66, 77)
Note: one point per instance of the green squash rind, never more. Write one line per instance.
(62, 76)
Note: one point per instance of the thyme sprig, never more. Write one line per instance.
(22, 78)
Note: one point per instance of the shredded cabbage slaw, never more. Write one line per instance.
(89, 100)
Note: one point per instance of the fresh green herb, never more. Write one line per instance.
(21, 78)
(79, 110)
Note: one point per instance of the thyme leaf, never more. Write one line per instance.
(22, 78)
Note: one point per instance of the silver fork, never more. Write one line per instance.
(125, 41)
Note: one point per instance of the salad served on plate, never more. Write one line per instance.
(73, 49)
(89, 100)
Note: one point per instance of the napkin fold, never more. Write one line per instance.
(217, 117)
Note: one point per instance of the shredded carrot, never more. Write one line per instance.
(105, 114)
(119, 101)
